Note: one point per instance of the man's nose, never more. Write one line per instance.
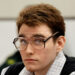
(29, 49)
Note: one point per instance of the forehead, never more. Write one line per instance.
(40, 29)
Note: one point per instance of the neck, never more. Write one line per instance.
(40, 73)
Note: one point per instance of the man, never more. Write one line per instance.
(41, 38)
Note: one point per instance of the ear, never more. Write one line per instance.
(60, 42)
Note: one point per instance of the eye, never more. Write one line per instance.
(23, 41)
(38, 41)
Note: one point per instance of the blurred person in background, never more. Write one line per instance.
(41, 38)
(14, 58)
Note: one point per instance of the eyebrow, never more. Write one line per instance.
(39, 35)
(21, 35)
(34, 35)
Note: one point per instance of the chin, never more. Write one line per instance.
(31, 68)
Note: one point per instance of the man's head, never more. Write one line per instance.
(43, 13)
(35, 25)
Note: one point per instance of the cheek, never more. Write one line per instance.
(48, 55)
(22, 53)
(51, 49)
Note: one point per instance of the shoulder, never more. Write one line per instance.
(16, 68)
(73, 73)
(4, 70)
(70, 61)
(69, 66)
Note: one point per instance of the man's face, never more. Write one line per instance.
(34, 59)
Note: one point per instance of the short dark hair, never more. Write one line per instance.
(42, 13)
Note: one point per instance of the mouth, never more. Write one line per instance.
(30, 60)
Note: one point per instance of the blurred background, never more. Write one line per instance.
(9, 10)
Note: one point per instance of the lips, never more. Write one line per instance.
(30, 60)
